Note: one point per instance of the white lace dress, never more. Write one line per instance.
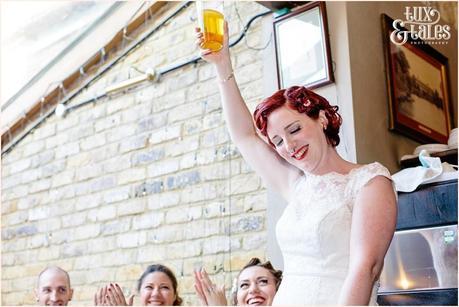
(314, 235)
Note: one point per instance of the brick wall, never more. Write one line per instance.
(148, 175)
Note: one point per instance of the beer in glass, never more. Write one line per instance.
(211, 18)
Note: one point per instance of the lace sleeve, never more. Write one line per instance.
(365, 174)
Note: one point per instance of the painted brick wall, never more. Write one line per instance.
(148, 175)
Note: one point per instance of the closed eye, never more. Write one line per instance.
(263, 281)
(295, 130)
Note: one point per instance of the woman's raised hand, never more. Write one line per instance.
(209, 294)
(209, 55)
(112, 295)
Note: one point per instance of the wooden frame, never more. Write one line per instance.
(304, 57)
(418, 88)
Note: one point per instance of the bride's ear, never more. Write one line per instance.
(323, 119)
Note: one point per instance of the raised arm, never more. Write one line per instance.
(276, 172)
(373, 225)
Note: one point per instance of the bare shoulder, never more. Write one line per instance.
(374, 182)
(379, 182)
(378, 190)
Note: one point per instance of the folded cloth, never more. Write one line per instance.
(408, 179)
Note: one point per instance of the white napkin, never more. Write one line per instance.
(407, 180)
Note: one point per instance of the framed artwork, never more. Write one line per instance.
(302, 47)
(418, 88)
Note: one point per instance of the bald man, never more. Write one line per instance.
(53, 288)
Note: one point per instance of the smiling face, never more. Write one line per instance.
(256, 286)
(299, 139)
(53, 288)
(157, 290)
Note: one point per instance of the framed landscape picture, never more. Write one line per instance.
(418, 88)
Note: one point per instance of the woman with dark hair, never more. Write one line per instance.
(340, 217)
(256, 284)
(157, 287)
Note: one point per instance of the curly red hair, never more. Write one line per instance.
(304, 101)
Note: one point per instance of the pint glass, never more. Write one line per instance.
(210, 18)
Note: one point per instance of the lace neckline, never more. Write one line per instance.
(335, 174)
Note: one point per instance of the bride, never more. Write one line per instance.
(340, 217)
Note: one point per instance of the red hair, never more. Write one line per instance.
(304, 101)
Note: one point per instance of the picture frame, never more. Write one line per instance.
(303, 59)
(418, 88)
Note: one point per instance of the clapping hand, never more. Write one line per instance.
(99, 297)
(112, 295)
(209, 294)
